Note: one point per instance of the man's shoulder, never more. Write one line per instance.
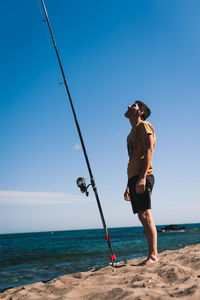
(145, 124)
(145, 127)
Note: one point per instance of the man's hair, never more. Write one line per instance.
(143, 107)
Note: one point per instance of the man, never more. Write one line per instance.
(140, 143)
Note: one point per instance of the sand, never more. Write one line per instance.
(175, 276)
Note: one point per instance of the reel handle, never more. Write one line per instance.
(81, 183)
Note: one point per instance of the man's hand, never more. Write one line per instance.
(140, 185)
(127, 195)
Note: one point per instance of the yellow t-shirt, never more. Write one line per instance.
(136, 148)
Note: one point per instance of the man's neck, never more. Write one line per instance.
(134, 122)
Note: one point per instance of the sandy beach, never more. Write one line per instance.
(175, 276)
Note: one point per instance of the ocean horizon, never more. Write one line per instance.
(40, 256)
(95, 228)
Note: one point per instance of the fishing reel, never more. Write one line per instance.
(81, 183)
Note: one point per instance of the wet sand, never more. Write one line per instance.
(175, 276)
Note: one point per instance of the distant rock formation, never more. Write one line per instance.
(171, 228)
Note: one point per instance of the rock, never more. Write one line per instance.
(171, 227)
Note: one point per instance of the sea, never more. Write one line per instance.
(40, 256)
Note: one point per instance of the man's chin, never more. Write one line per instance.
(126, 115)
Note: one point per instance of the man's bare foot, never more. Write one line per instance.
(149, 260)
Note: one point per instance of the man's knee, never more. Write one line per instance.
(145, 216)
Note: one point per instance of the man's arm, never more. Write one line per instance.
(146, 162)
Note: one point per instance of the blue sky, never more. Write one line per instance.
(113, 52)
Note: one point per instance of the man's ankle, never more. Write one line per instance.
(153, 255)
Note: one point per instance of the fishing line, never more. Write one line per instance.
(81, 180)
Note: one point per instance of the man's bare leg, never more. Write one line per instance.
(146, 219)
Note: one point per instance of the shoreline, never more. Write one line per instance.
(177, 274)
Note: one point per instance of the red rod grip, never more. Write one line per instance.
(113, 257)
(108, 237)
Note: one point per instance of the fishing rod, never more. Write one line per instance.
(81, 181)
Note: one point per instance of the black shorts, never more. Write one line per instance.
(140, 201)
